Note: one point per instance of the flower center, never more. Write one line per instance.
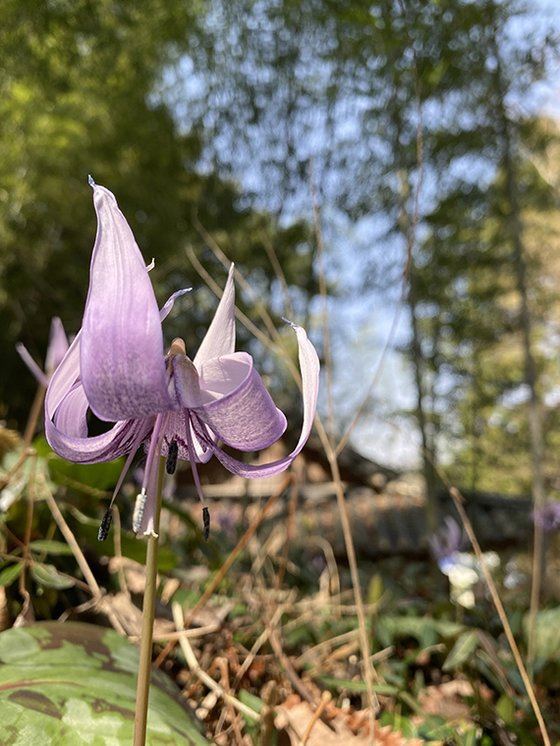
(184, 384)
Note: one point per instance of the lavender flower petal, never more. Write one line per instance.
(236, 404)
(25, 355)
(165, 310)
(65, 418)
(220, 337)
(58, 346)
(309, 365)
(122, 364)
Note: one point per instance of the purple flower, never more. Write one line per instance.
(57, 348)
(446, 541)
(548, 517)
(175, 407)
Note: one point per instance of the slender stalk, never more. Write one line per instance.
(65, 530)
(458, 501)
(148, 614)
(34, 414)
(369, 671)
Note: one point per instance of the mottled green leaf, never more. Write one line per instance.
(72, 684)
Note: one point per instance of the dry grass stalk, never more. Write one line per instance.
(458, 500)
(224, 569)
(330, 452)
(325, 700)
(72, 542)
(201, 674)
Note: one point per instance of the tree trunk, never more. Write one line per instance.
(429, 454)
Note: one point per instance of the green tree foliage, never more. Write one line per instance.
(78, 95)
(411, 112)
(493, 440)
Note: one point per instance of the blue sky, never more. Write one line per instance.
(361, 322)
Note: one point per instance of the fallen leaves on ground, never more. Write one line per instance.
(338, 727)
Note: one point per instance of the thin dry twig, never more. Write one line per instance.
(223, 259)
(243, 318)
(359, 413)
(222, 665)
(118, 550)
(34, 414)
(217, 579)
(26, 451)
(195, 667)
(290, 522)
(72, 543)
(369, 672)
(312, 652)
(215, 288)
(241, 544)
(26, 613)
(257, 645)
(291, 672)
(208, 629)
(279, 272)
(326, 697)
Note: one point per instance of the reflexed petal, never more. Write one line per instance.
(65, 405)
(309, 365)
(65, 377)
(122, 362)
(58, 346)
(70, 415)
(220, 337)
(165, 310)
(236, 405)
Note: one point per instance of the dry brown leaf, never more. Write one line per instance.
(340, 731)
(446, 700)
(134, 572)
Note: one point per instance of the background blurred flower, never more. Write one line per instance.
(57, 348)
(548, 517)
(447, 539)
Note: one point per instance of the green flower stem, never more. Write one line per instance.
(148, 614)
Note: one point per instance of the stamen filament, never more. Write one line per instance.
(147, 494)
(192, 459)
